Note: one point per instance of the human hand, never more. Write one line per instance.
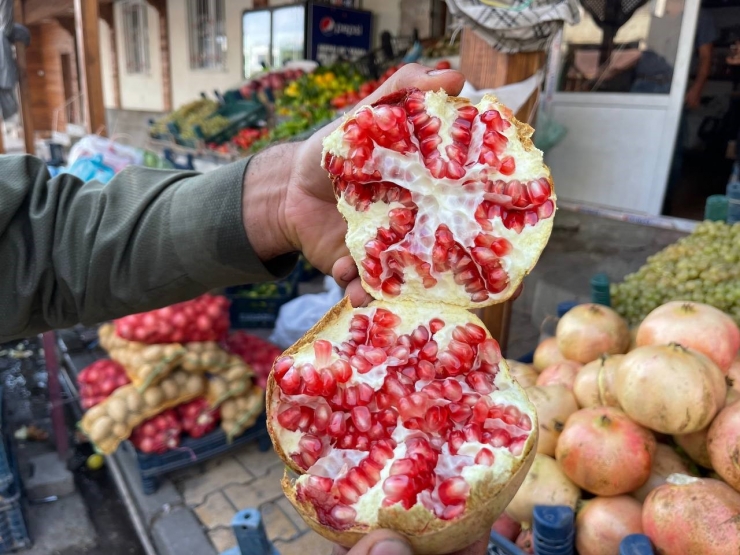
(386, 542)
(693, 98)
(289, 202)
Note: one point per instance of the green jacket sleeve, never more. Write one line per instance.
(85, 252)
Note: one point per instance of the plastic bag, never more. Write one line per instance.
(112, 154)
(89, 168)
(297, 316)
(514, 95)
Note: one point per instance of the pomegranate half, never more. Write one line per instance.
(403, 417)
(403, 414)
(444, 200)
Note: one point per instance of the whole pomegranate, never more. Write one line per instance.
(409, 171)
(403, 414)
(604, 452)
(607, 374)
(546, 354)
(603, 522)
(396, 412)
(733, 374)
(693, 516)
(697, 388)
(665, 462)
(159, 434)
(205, 318)
(695, 445)
(562, 373)
(723, 445)
(554, 404)
(524, 374)
(696, 326)
(586, 384)
(197, 417)
(545, 484)
(587, 331)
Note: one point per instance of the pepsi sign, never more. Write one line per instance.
(338, 33)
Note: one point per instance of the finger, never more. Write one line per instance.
(379, 542)
(357, 295)
(344, 271)
(420, 77)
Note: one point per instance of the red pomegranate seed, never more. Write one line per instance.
(337, 425)
(433, 390)
(306, 418)
(473, 432)
(452, 390)
(453, 490)
(365, 119)
(481, 382)
(398, 355)
(374, 355)
(387, 417)
(361, 364)
(489, 351)
(328, 383)
(450, 363)
(371, 470)
(459, 413)
(500, 438)
(383, 400)
(484, 457)
(321, 417)
(425, 370)
(436, 324)
(348, 494)
(377, 431)
(436, 419)
(453, 511)
(358, 479)
(282, 365)
(362, 443)
(455, 170)
(546, 210)
(480, 410)
(289, 417)
(508, 165)
(342, 370)
(398, 487)
(455, 440)
(311, 379)
(461, 350)
(291, 382)
(402, 466)
(511, 415)
(419, 337)
(342, 513)
(310, 444)
(525, 423)
(351, 397)
(429, 351)
(517, 446)
(361, 418)
(320, 482)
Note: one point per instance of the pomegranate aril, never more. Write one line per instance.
(328, 383)
(455, 170)
(525, 423)
(361, 418)
(484, 457)
(455, 440)
(429, 351)
(480, 410)
(451, 363)
(348, 494)
(517, 446)
(459, 413)
(453, 511)
(381, 452)
(290, 417)
(321, 417)
(291, 382)
(343, 514)
(452, 389)
(453, 490)
(351, 397)
(480, 382)
(387, 417)
(402, 466)
(425, 370)
(499, 438)
(321, 483)
(398, 486)
(311, 379)
(361, 364)
(436, 325)
(337, 425)
(282, 365)
(370, 469)
(436, 419)
(310, 444)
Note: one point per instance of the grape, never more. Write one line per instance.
(703, 266)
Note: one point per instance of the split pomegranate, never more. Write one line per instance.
(400, 417)
(98, 380)
(604, 452)
(693, 516)
(723, 444)
(587, 331)
(562, 373)
(669, 389)
(603, 522)
(695, 446)
(696, 326)
(256, 352)
(158, 434)
(545, 484)
(665, 462)
(444, 200)
(554, 404)
(546, 354)
(524, 374)
(197, 417)
(205, 318)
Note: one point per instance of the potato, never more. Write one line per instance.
(145, 371)
(93, 413)
(180, 378)
(121, 431)
(101, 429)
(117, 409)
(169, 389)
(194, 385)
(229, 410)
(171, 351)
(153, 397)
(237, 372)
(217, 387)
(134, 401)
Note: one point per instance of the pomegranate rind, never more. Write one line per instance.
(723, 445)
(526, 245)
(427, 533)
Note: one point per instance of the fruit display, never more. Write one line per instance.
(256, 352)
(646, 439)
(205, 318)
(186, 118)
(702, 267)
(403, 414)
(276, 81)
(241, 412)
(321, 86)
(98, 380)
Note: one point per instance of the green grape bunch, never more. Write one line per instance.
(702, 267)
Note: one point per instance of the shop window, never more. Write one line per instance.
(136, 37)
(207, 34)
(273, 37)
(622, 47)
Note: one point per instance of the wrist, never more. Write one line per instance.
(264, 193)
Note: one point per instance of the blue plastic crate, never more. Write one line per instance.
(194, 451)
(499, 545)
(13, 531)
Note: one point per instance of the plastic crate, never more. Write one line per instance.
(260, 311)
(499, 545)
(7, 477)
(194, 451)
(241, 114)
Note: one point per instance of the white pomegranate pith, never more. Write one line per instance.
(444, 200)
(402, 405)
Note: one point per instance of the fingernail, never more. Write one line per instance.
(391, 547)
(435, 72)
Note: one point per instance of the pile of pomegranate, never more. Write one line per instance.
(638, 437)
(403, 414)
(168, 376)
(256, 352)
(98, 380)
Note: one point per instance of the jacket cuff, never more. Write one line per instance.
(209, 235)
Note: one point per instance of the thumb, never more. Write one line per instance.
(419, 77)
(379, 542)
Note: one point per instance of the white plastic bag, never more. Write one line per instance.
(514, 96)
(297, 316)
